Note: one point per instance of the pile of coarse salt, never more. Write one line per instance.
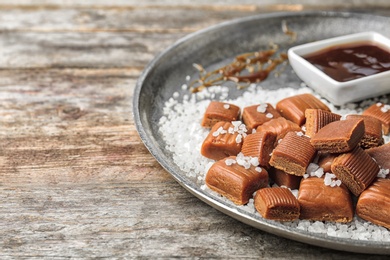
(182, 132)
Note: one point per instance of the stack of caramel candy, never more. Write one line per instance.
(300, 144)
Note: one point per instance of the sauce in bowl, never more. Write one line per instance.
(348, 62)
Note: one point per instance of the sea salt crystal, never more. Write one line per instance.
(184, 87)
(319, 172)
(262, 108)
(385, 108)
(226, 106)
(317, 227)
(295, 192)
(236, 123)
(383, 173)
(230, 162)
(328, 179)
(238, 138)
(269, 115)
(258, 169)
(254, 161)
(300, 134)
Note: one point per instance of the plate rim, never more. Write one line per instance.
(335, 243)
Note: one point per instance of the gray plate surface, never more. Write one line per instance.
(215, 45)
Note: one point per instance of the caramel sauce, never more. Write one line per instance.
(347, 62)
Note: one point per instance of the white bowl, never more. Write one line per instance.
(340, 93)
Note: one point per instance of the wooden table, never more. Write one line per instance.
(75, 179)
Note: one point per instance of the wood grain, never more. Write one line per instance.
(75, 179)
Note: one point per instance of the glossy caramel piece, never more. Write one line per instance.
(221, 142)
(317, 119)
(256, 115)
(279, 126)
(381, 155)
(325, 161)
(260, 145)
(293, 108)
(293, 154)
(324, 203)
(234, 182)
(374, 203)
(339, 136)
(282, 178)
(355, 169)
(220, 111)
(373, 131)
(381, 112)
(277, 204)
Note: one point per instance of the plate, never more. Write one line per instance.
(217, 45)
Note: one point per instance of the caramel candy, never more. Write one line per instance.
(374, 203)
(279, 126)
(324, 203)
(220, 111)
(339, 136)
(293, 154)
(317, 119)
(382, 112)
(256, 115)
(282, 178)
(325, 161)
(373, 131)
(222, 141)
(381, 155)
(293, 108)
(277, 204)
(355, 169)
(234, 181)
(259, 145)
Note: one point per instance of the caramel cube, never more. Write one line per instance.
(293, 154)
(381, 155)
(279, 126)
(282, 178)
(374, 203)
(324, 203)
(373, 131)
(277, 204)
(339, 136)
(355, 169)
(293, 108)
(381, 112)
(256, 115)
(325, 161)
(317, 119)
(220, 111)
(234, 181)
(224, 139)
(259, 145)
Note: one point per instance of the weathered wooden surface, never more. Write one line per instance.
(75, 178)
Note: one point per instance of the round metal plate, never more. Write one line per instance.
(214, 45)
